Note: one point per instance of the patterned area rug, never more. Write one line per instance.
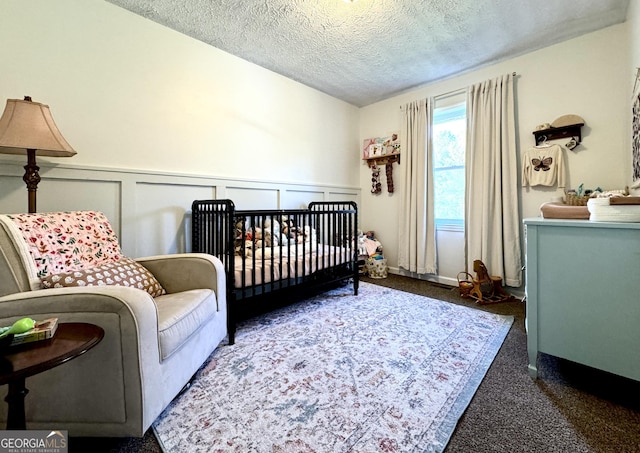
(384, 371)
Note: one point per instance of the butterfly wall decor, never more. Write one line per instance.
(543, 164)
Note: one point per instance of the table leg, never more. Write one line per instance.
(15, 399)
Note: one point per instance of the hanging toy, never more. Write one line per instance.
(376, 186)
(389, 171)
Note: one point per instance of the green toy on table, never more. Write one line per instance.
(20, 326)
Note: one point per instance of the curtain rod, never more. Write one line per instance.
(459, 90)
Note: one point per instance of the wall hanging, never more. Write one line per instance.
(635, 138)
(562, 127)
(381, 151)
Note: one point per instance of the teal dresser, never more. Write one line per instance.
(583, 293)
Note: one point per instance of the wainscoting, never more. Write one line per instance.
(151, 211)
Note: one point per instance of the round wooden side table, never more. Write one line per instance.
(19, 362)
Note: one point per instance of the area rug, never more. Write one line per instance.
(384, 371)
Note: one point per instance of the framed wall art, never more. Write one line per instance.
(635, 139)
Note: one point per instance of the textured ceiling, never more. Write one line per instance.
(370, 50)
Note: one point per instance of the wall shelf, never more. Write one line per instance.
(555, 133)
(383, 160)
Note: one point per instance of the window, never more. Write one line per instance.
(449, 141)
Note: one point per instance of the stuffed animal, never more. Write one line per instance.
(287, 227)
(361, 245)
(239, 239)
(245, 248)
(271, 232)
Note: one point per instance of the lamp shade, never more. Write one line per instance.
(28, 125)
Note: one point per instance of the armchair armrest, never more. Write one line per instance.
(114, 371)
(135, 309)
(185, 271)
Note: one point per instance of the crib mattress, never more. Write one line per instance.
(283, 263)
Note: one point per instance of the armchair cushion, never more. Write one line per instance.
(179, 315)
(125, 272)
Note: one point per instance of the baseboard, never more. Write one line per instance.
(433, 278)
(446, 281)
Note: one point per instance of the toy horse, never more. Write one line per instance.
(487, 289)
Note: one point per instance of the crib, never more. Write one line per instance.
(266, 251)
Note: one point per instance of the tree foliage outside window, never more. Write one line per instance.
(449, 142)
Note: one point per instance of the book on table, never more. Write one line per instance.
(43, 330)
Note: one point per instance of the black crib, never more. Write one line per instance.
(264, 251)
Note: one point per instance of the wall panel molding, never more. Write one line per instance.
(151, 211)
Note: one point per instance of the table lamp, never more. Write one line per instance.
(27, 126)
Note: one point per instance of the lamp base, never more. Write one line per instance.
(31, 178)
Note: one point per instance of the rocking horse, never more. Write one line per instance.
(485, 288)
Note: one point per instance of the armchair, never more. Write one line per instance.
(152, 345)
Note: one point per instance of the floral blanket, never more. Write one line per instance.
(66, 241)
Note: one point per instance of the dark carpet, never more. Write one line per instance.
(569, 408)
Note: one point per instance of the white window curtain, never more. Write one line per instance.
(492, 226)
(416, 232)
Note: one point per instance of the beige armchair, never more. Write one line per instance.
(152, 344)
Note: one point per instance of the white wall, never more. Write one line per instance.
(587, 76)
(140, 102)
(132, 94)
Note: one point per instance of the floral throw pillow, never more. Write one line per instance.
(125, 272)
